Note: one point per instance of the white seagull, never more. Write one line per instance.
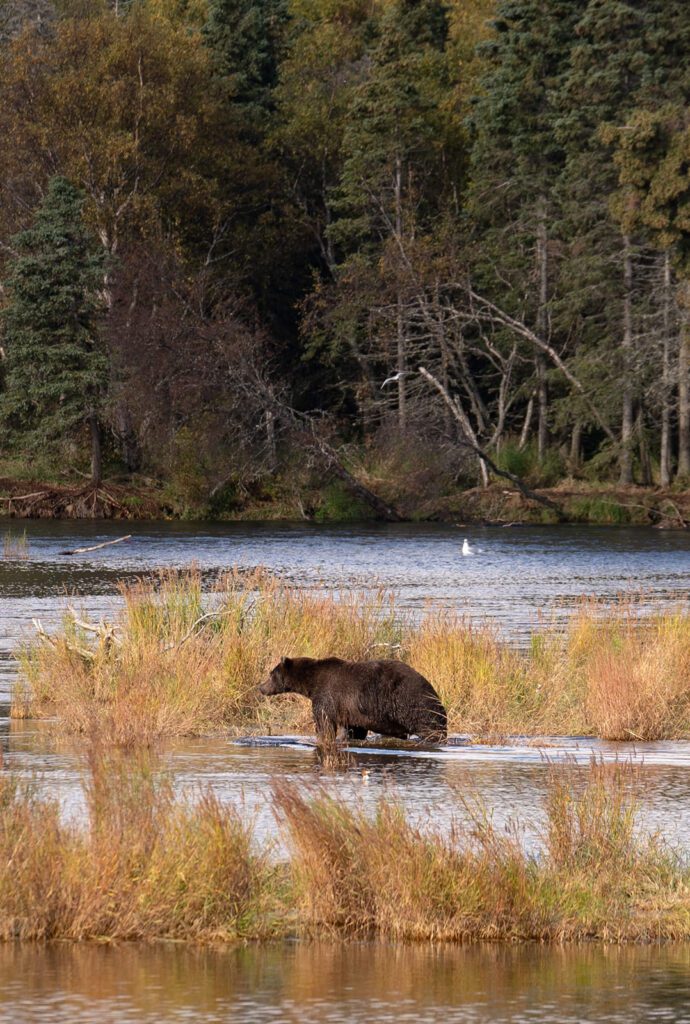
(395, 377)
(466, 549)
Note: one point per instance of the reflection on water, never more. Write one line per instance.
(315, 983)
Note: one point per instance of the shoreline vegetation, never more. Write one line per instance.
(614, 671)
(146, 864)
(569, 501)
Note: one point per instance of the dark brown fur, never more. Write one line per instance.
(386, 697)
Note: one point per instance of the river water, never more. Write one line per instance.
(519, 577)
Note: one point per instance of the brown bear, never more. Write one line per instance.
(386, 697)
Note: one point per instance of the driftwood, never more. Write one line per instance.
(96, 547)
(66, 502)
(481, 454)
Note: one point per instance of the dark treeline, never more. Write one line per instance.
(249, 241)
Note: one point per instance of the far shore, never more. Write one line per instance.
(570, 502)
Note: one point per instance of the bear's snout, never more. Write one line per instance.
(266, 688)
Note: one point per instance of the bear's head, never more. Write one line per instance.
(279, 680)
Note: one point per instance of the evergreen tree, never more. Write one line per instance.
(653, 158)
(245, 37)
(398, 162)
(619, 53)
(55, 369)
(395, 137)
(518, 159)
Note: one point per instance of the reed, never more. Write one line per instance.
(359, 875)
(145, 864)
(172, 665)
(15, 547)
(177, 661)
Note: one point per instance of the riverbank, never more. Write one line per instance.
(146, 864)
(615, 671)
(571, 501)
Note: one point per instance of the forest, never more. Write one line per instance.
(332, 258)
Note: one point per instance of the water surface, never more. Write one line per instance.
(520, 578)
(317, 983)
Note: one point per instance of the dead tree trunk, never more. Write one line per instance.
(96, 454)
(332, 462)
(401, 354)
(575, 445)
(524, 433)
(643, 448)
(459, 414)
(486, 461)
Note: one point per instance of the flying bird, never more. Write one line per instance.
(396, 377)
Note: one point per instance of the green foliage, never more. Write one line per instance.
(395, 129)
(339, 506)
(245, 38)
(188, 486)
(525, 463)
(599, 511)
(56, 371)
(302, 198)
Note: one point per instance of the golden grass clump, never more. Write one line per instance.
(177, 661)
(171, 665)
(487, 686)
(144, 866)
(358, 875)
(637, 677)
(15, 546)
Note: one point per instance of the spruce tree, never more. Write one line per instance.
(517, 161)
(55, 368)
(396, 150)
(606, 268)
(245, 37)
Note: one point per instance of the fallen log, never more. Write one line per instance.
(96, 547)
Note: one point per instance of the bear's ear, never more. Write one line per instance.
(285, 662)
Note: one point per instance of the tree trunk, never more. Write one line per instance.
(684, 385)
(542, 325)
(665, 450)
(445, 360)
(400, 322)
(645, 460)
(469, 441)
(96, 455)
(524, 433)
(575, 445)
(271, 441)
(381, 507)
(625, 460)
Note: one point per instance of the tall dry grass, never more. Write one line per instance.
(176, 661)
(145, 865)
(358, 875)
(15, 546)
